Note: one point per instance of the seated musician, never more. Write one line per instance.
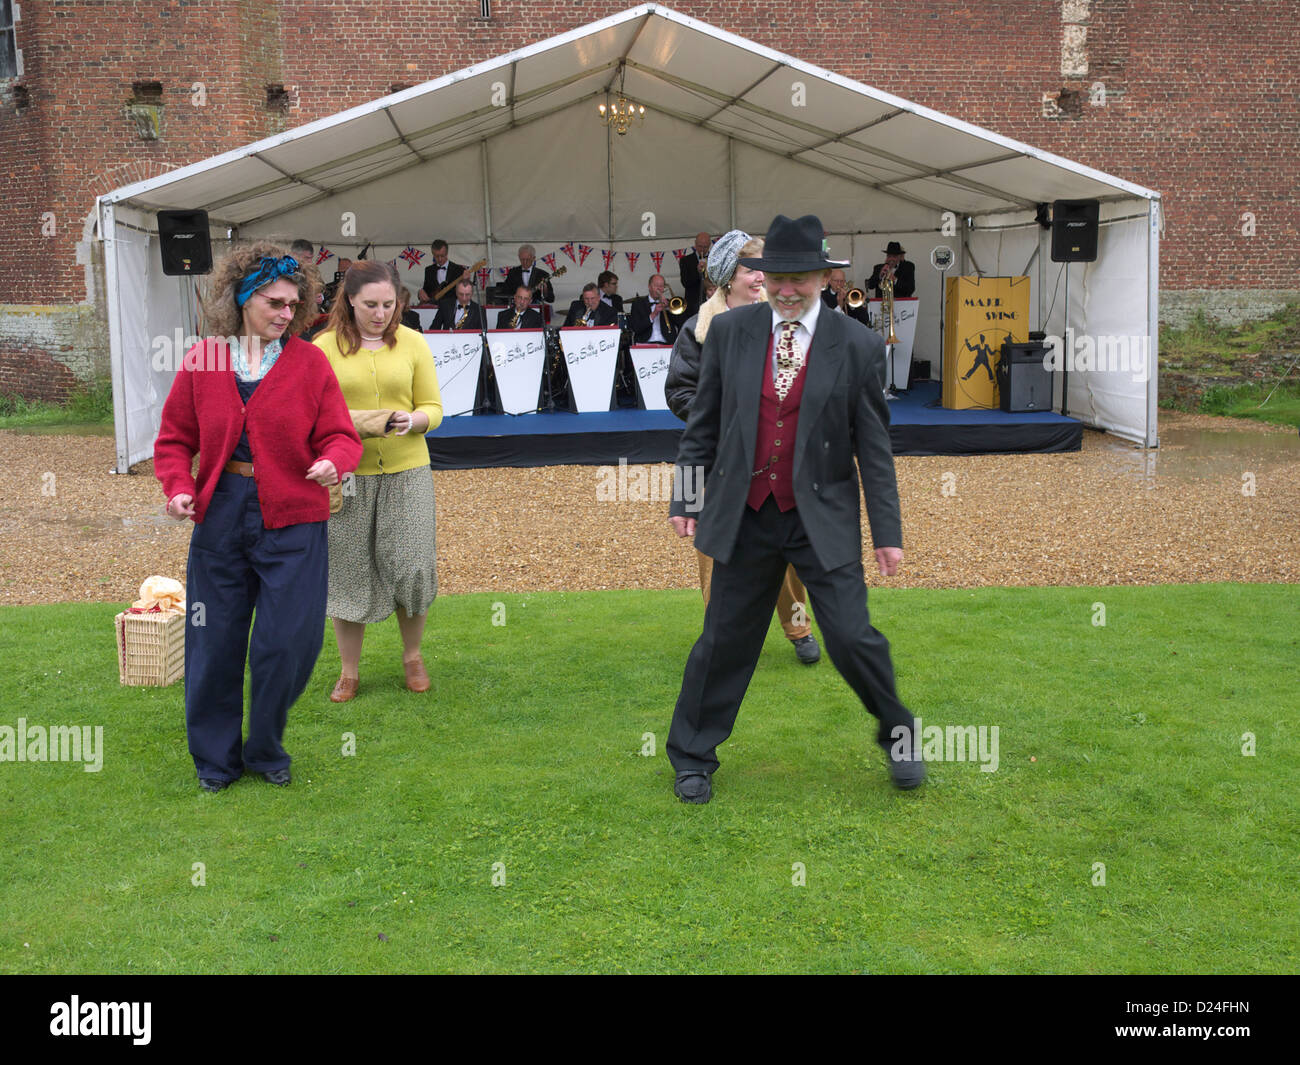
(607, 282)
(649, 318)
(523, 315)
(462, 312)
(839, 298)
(897, 267)
(589, 310)
(529, 274)
(441, 271)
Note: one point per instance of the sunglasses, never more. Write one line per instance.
(278, 305)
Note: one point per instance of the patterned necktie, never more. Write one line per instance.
(789, 359)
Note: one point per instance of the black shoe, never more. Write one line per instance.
(694, 787)
(278, 777)
(807, 650)
(906, 771)
(213, 784)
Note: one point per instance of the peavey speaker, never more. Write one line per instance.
(1024, 383)
(184, 242)
(1074, 231)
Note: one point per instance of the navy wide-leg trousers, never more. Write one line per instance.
(237, 567)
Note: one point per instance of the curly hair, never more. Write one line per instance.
(343, 320)
(223, 317)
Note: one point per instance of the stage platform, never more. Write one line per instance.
(637, 436)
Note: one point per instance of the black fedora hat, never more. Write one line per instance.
(895, 248)
(794, 246)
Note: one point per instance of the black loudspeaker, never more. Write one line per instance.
(184, 242)
(1024, 383)
(1074, 231)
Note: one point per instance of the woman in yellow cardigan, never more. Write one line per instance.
(381, 543)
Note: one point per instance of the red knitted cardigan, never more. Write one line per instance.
(296, 416)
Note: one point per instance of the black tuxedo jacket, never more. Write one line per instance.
(431, 286)
(615, 301)
(530, 319)
(904, 279)
(638, 320)
(692, 278)
(843, 415)
(515, 278)
(449, 311)
(604, 313)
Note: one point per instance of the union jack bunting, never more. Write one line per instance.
(483, 276)
(632, 257)
(608, 256)
(323, 254)
(549, 260)
(568, 250)
(658, 258)
(678, 253)
(413, 256)
(584, 250)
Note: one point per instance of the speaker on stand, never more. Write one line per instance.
(184, 242)
(1074, 240)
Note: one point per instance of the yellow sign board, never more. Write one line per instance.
(979, 314)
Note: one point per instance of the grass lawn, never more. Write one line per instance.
(1261, 402)
(1119, 745)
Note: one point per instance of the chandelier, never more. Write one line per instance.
(622, 113)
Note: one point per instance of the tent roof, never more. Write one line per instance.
(672, 64)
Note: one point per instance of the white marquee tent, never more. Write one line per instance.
(512, 150)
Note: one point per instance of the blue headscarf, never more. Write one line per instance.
(268, 270)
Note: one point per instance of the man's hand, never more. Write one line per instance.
(323, 472)
(180, 506)
(888, 559)
(683, 526)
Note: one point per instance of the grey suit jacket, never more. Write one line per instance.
(843, 414)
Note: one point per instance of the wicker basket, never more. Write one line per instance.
(150, 648)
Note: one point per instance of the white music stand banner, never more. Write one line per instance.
(591, 354)
(427, 315)
(518, 357)
(905, 315)
(651, 363)
(457, 358)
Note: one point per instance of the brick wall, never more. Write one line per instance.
(1199, 100)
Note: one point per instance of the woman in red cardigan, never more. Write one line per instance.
(264, 412)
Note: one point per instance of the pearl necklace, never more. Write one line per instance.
(371, 339)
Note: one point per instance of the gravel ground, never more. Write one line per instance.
(1111, 514)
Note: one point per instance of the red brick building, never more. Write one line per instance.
(1198, 101)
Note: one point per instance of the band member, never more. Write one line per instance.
(523, 315)
(648, 316)
(795, 394)
(839, 298)
(528, 273)
(897, 267)
(461, 313)
(439, 272)
(589, 310)
(607, 282)
(693, 274)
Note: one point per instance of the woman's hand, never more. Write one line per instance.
(323, 472)
(405, 421)
(180, 506)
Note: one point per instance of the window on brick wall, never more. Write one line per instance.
(11, 60)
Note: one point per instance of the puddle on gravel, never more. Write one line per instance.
(1200, 453)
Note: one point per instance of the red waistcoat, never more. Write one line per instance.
(778, 421)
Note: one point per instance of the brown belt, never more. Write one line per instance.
(244, 469)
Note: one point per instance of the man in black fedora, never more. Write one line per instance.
(897, 267)
(789, 395)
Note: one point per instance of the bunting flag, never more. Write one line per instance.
(393, 264)
(323, 254)
(483, 275)
(413, 256)
(549, 260)
(632, 257)
(584, 250)
(658, 258)
(608, 256)
(568, 250)
(503, 272)
(678, 253)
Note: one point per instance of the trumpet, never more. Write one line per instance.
(676, 305)
(887, 308)
(855, 298)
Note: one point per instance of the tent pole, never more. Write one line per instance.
(1068, 346)
(1151, 436)
(731, 178)
(609, 180)
(108, 234)
(487, 213)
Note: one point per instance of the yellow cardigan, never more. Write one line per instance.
(399, 378)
